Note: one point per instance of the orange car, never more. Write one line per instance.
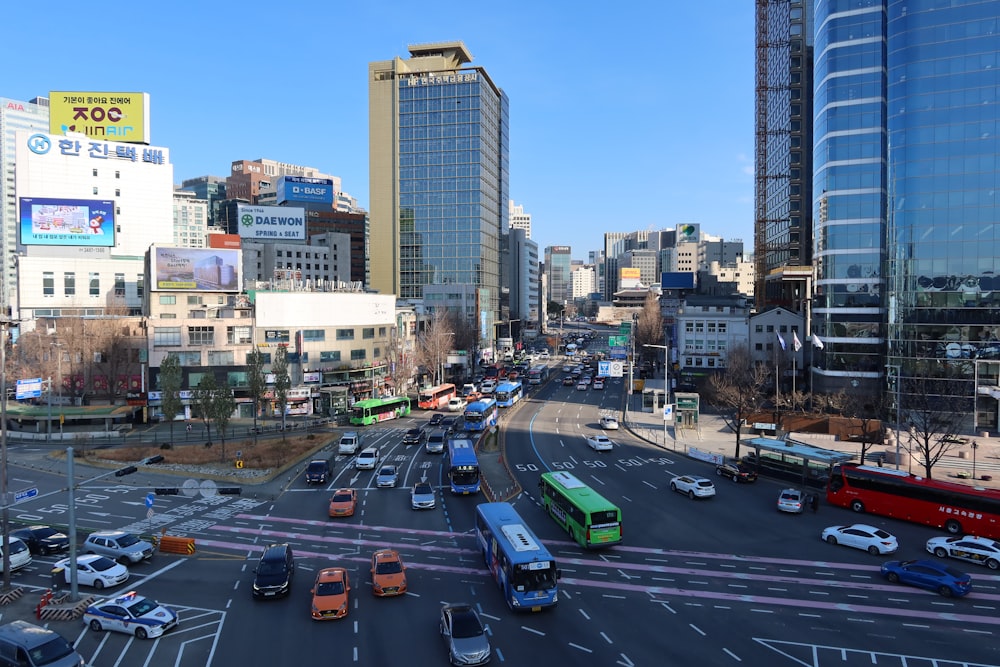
(343, 502)
(330, 594)
(388, 573)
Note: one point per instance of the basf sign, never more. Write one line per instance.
(297, 188)
(272, 223)
(67, 222)
(202, 269)
(112, 116)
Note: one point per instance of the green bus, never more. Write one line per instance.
(587, 516)
(374, 410)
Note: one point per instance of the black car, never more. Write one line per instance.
(449, 424)
(317, 472)
(436, 419)
(415, 436)
(42, 540)
(273, 574)
(738, 472)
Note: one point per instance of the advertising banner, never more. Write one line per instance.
(299, 188)
(630, 273)
(275, 223)
(67, 222)
(231, 241)
(114, 116)
(189, 269)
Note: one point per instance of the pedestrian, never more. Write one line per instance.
(189, 428)
(814, 503)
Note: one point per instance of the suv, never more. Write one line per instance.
(36, 646)
(318, 471)
(118, 545)
(367, 459)
(274, 573)
(415, 436)
(435, 442)
(349, 443)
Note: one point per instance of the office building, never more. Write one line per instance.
(438, 161)
(524, 279)
(210, 188)
(558, 264)
(519, 219)
(190, 220)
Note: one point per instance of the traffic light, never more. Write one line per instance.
(153, 459)
(126, 471)
(168, 491)
(230, 490)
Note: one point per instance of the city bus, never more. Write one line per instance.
(463, 466)
(437, 397)
(508, 393)
(957, 508)
(373, 410)
(537, 374)
(480, 415)
(587, 516)
(523, 568)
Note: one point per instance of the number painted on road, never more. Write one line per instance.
(595, 464)
(562, 465)
(631, 462)
(526, 467)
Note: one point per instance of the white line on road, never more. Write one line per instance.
(697, 629)
(537, 632)
(584, 614)
(582, 648)
(732, 655)
(606, 638)
(648, 484)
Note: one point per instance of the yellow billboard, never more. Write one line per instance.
(629, 273)
(105, 116)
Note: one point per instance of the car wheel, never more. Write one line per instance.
(873, 550)
(940, 552)
(830, 539)
(141, 633)
(857, 506)
(691, 495)
(953, 527)
(893, 577)
(944, 591)
(673, 487)
(124, 560)
(718, 472)
(98, 584)
(95, 625)
(992, 564)
(736, 480)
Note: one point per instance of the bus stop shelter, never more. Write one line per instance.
(796, 461)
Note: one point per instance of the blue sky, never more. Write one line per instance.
(622, 117)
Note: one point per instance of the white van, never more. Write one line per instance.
(349, 443)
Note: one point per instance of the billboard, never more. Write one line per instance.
(298, 188)
(274, 223)
(67, 222)
(688, 232)
(114, 116)
(191, 269)
(629, 273)
(224, 241)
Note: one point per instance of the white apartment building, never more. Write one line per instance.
(190, 220)
(584, 282)
(707, 327)
(519, 219)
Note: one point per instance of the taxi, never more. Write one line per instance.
(330, 594)
(132, 614)
(343, 502)
(388, 573)
(978, 550)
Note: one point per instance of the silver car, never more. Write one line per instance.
(422, 496)
(118, 545)
(791, 500)
(464, 635)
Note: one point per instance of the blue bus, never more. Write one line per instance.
(508, 393)
(463, 466)
(480, 415)
(521, 565)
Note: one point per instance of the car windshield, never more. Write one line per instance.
(422, 489)
(388, 567)
(882, 534)
(127, 540)
(330, 588)
(341, 497)
(387, 472)
(42, 533)
(316, 466)
(17, 546)
(50, 651)
(102, 564)
(269, 567)
(142, 607)
(465, 624)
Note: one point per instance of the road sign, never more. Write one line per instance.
(617, 341)
(617, 369)
(149, 499)
(28, 388)
(625, 328)
(25, 494)
(668, 413)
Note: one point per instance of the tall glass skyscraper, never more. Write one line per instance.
(849, 194)
(438, 138)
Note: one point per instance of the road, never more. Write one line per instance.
(722, 581)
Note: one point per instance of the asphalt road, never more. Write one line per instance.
(722, 581)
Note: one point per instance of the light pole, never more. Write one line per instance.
(975, 446)
(895, 369)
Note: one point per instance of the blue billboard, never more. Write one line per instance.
(67, 222)
(301, 189)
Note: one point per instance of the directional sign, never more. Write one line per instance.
(29, 388)
(668, 413)
(624, 328)
(617, 341)
(25, 494)
(149, 499)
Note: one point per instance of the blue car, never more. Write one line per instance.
(947, 581)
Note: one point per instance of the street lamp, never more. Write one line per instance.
(895, 374)
(975, 446)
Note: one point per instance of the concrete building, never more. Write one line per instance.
(209, 188)
(584, 282)
(524, 279)
(325, 260)
(519, 219)
(558, 263)
(707, 328)
(190, 220)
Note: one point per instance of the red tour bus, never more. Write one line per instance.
(436, 397)
(958, 508)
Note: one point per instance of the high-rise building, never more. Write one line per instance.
(558, 264)
(210, 188)
(584, 281)
(783, 223)
(438, 169)
(190, 220)
(524, 283)
(519, 219)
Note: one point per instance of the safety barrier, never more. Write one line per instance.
(171, 544)
(59, 609)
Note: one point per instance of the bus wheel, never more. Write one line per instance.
(953, 527)
(857, 506)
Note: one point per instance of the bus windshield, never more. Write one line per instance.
(527, 580)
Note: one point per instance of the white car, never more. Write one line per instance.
(95, 570)
(598, 385)
(978, 550)
(862, 536)
(132, 614)
(456, 404)
(693, 485)
(609, 423)
(600, 443)
(582, 386)
(791, 500)
(367, 459)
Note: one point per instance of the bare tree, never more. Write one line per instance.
(170, 379)
(222, 406)
(434, 344)
(204, 395)
(868, 411)
(649, 327)
(935, 410)
(282, 382)
(738, 391)
(256, 383)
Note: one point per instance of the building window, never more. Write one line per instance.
(95, 284)
(168, 299)
(345, 334)
(221, 358)
(329, 356)
(95, 172)
(368, 332)
(119, 284)
(69, 284)
(201, 335)
(377, 352)
(314, 335)
(188, 359)
(195, 300)
(140, 286)
(382, 331)
(722, 327)
(358, 355)
(95, 189)
(238, 335)
(48, 283)
(166, 337)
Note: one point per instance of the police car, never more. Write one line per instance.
(979, 550)
(133, 614)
